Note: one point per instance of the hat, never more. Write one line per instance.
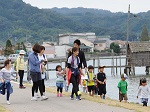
(100, 66)
(22, 52)
(124, 76)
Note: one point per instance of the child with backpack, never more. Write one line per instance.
(122, 85)
(5, 77)
(60, 80)
(90, 80)
(20, 65)
(143, 91)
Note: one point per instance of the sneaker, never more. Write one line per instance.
(22, 87)
(72, 97)
(60, 94)
(8, 103)
(103, 96)
(34, 99)
(78, 98)
(37, 95)
(57, 95)
(44, 98)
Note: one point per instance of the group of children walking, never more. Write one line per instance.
(72, 74)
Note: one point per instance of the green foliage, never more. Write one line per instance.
(9, 48)
(21, 20)
(144, 34)
(115, 47)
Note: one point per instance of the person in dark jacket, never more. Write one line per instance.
(81, 55)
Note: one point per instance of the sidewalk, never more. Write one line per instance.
(21, 102)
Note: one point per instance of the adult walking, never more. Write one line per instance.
(35, 72)
(42, 56)
(81, 56)
(20, 67)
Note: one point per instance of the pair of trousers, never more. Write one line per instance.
(36, 85)
(21, 74)
(75, 82)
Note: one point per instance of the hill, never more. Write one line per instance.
(20, 22)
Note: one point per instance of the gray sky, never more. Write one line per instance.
(112, 5)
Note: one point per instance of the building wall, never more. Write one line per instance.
(100, 46)
(64, 40)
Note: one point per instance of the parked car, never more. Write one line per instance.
(2, 59)
(13, 57)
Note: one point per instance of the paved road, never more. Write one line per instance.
(20, 102)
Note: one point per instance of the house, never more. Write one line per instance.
(61, 51)
(86, 44)
(49, 50)
(138, 54)
(122, 45)
(100, 45)
(28, 47)
(71, 37)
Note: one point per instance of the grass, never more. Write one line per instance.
(107, 101)
(2, 109)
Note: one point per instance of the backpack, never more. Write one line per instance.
(15, 64)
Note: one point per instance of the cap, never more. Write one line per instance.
(22, 52)
(101, 66)
(124, 76)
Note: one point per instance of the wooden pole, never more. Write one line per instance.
(120, 64)
(116, 66)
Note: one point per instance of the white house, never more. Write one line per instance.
(70, 38)
(87, 43)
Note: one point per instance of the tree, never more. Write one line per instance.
(115, 47)
(144, 34)
(9, 48)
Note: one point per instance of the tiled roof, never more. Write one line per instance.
(139, 46)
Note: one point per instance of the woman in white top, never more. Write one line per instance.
(41, 56)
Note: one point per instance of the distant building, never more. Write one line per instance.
(28, 47)
(122, 45)
(100, 45)
(70, 38)
(138, 54)
(88, 45)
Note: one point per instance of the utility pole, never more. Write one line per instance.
(128, 25)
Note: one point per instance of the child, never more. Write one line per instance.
(84, 83)
(74, 66)
(95, 86)
(143, 92)
(122, 85)
(101, 79)
(5, 77)
(60, 80)
(90, 80)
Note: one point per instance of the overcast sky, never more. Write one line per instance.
(112, 5)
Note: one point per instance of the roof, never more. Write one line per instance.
(139, 46)
(81, 46)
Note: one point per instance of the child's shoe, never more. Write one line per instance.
(78, 98)
(60, 94)
(57, 94)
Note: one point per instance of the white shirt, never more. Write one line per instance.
(143, 91)
(42, 58)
